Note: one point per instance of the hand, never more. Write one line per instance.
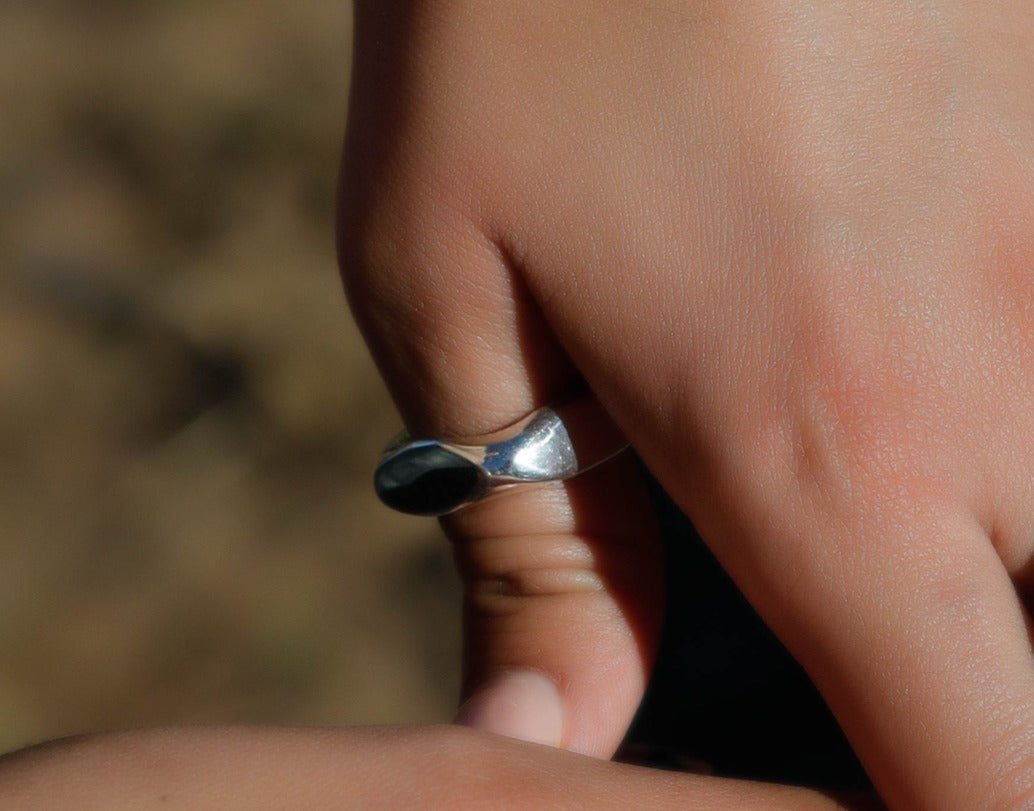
(433, 767)
(790, 248)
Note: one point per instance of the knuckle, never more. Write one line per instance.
(502, 573)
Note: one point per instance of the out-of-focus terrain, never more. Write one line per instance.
(188, 419)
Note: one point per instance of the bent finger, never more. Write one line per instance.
(563, 598)
(915, 635)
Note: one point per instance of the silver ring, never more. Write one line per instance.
(437, 477)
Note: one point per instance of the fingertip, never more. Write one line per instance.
(521, 704)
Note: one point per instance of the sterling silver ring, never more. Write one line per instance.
(437, 477)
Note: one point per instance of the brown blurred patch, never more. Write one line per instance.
(188, 419)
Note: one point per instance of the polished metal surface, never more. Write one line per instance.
(437, 477)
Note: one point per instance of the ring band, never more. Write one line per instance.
(437, 477)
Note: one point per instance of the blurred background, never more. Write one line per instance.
(188, 419)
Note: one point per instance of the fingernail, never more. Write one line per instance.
(520, 704)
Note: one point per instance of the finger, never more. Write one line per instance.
(563, 598)
(562, 583)
(911, 628)
(432, 767)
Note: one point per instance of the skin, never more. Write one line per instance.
(789, 246)
(431, 767)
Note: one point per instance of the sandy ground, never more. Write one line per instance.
(188, 419)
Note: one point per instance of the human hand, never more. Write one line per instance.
(790, 248)
(254, 769)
